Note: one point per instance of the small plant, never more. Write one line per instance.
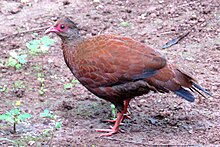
(113, 111)
(75, 81)
(125, 24)
(15, 116)
(41, 79)
(37, 67)
(19, 85)
(68, 86)
(57, 124)
(3, 88)
(39, 46)
(17, 60)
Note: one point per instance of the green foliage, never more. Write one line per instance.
(41, 79)
(3, 88)
(17, 60)
(68, 86)
(58, 125)
(113, 111)
(15, 116)
(42, 90)
(75, 81)
(19, 85)
(125, 24)
(56, 121)
(47, 114)
(39, 46)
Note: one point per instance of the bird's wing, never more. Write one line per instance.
(112, 60)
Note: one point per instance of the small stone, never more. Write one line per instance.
(201, 20)
(192, 21)
(203, 24)
(143, 16)
(161, 1)
(66, 2)
(153, 15)
(31, 143)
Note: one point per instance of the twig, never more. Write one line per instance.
(22, 32)
(175, 40)
(127, 141)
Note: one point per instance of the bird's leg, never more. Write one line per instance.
(126, 104)
(119, 119)
(115, 129)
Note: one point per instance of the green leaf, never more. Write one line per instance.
(47, 41)
(18, 66)
(7, 117)
(33, 46)
(3, 88)
(22, 59)
(12, 62)
(19, 84)
(24, 116)
(40, 75)
(113, 111)
(44, 49)
(124, 24)
(46, 114)
(46, 132)
(58, 125)
(14, 112)
(68, 86)
(75, 81)
(41, 79)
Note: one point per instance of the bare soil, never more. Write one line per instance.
(156, 118)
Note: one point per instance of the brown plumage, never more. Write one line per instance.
(117, 68)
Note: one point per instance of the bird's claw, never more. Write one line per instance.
(109, 132)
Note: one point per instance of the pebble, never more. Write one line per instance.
(161, 1)
(153, 15)
(201, 20)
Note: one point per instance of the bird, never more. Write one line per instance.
(118, 68)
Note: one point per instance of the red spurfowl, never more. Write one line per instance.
(117, 68)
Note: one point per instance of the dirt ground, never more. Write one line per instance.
(156, 118)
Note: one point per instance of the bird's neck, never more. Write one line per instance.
(69, 43)
(69, 47)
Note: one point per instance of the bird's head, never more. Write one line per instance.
(64, 28)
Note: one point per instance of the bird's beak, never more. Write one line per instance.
(51, 29)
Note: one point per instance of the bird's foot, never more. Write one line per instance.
(127, 116)
(111, 121)
(109, 132)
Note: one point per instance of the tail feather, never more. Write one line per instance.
(188, 95)
(202, 89)
(185, 94)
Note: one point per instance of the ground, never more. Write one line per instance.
(156, 118)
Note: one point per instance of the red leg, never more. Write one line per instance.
(126, 104)
(119, 119)
(115, 129)
(125, 110)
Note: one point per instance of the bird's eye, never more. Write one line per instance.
(62, 26)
